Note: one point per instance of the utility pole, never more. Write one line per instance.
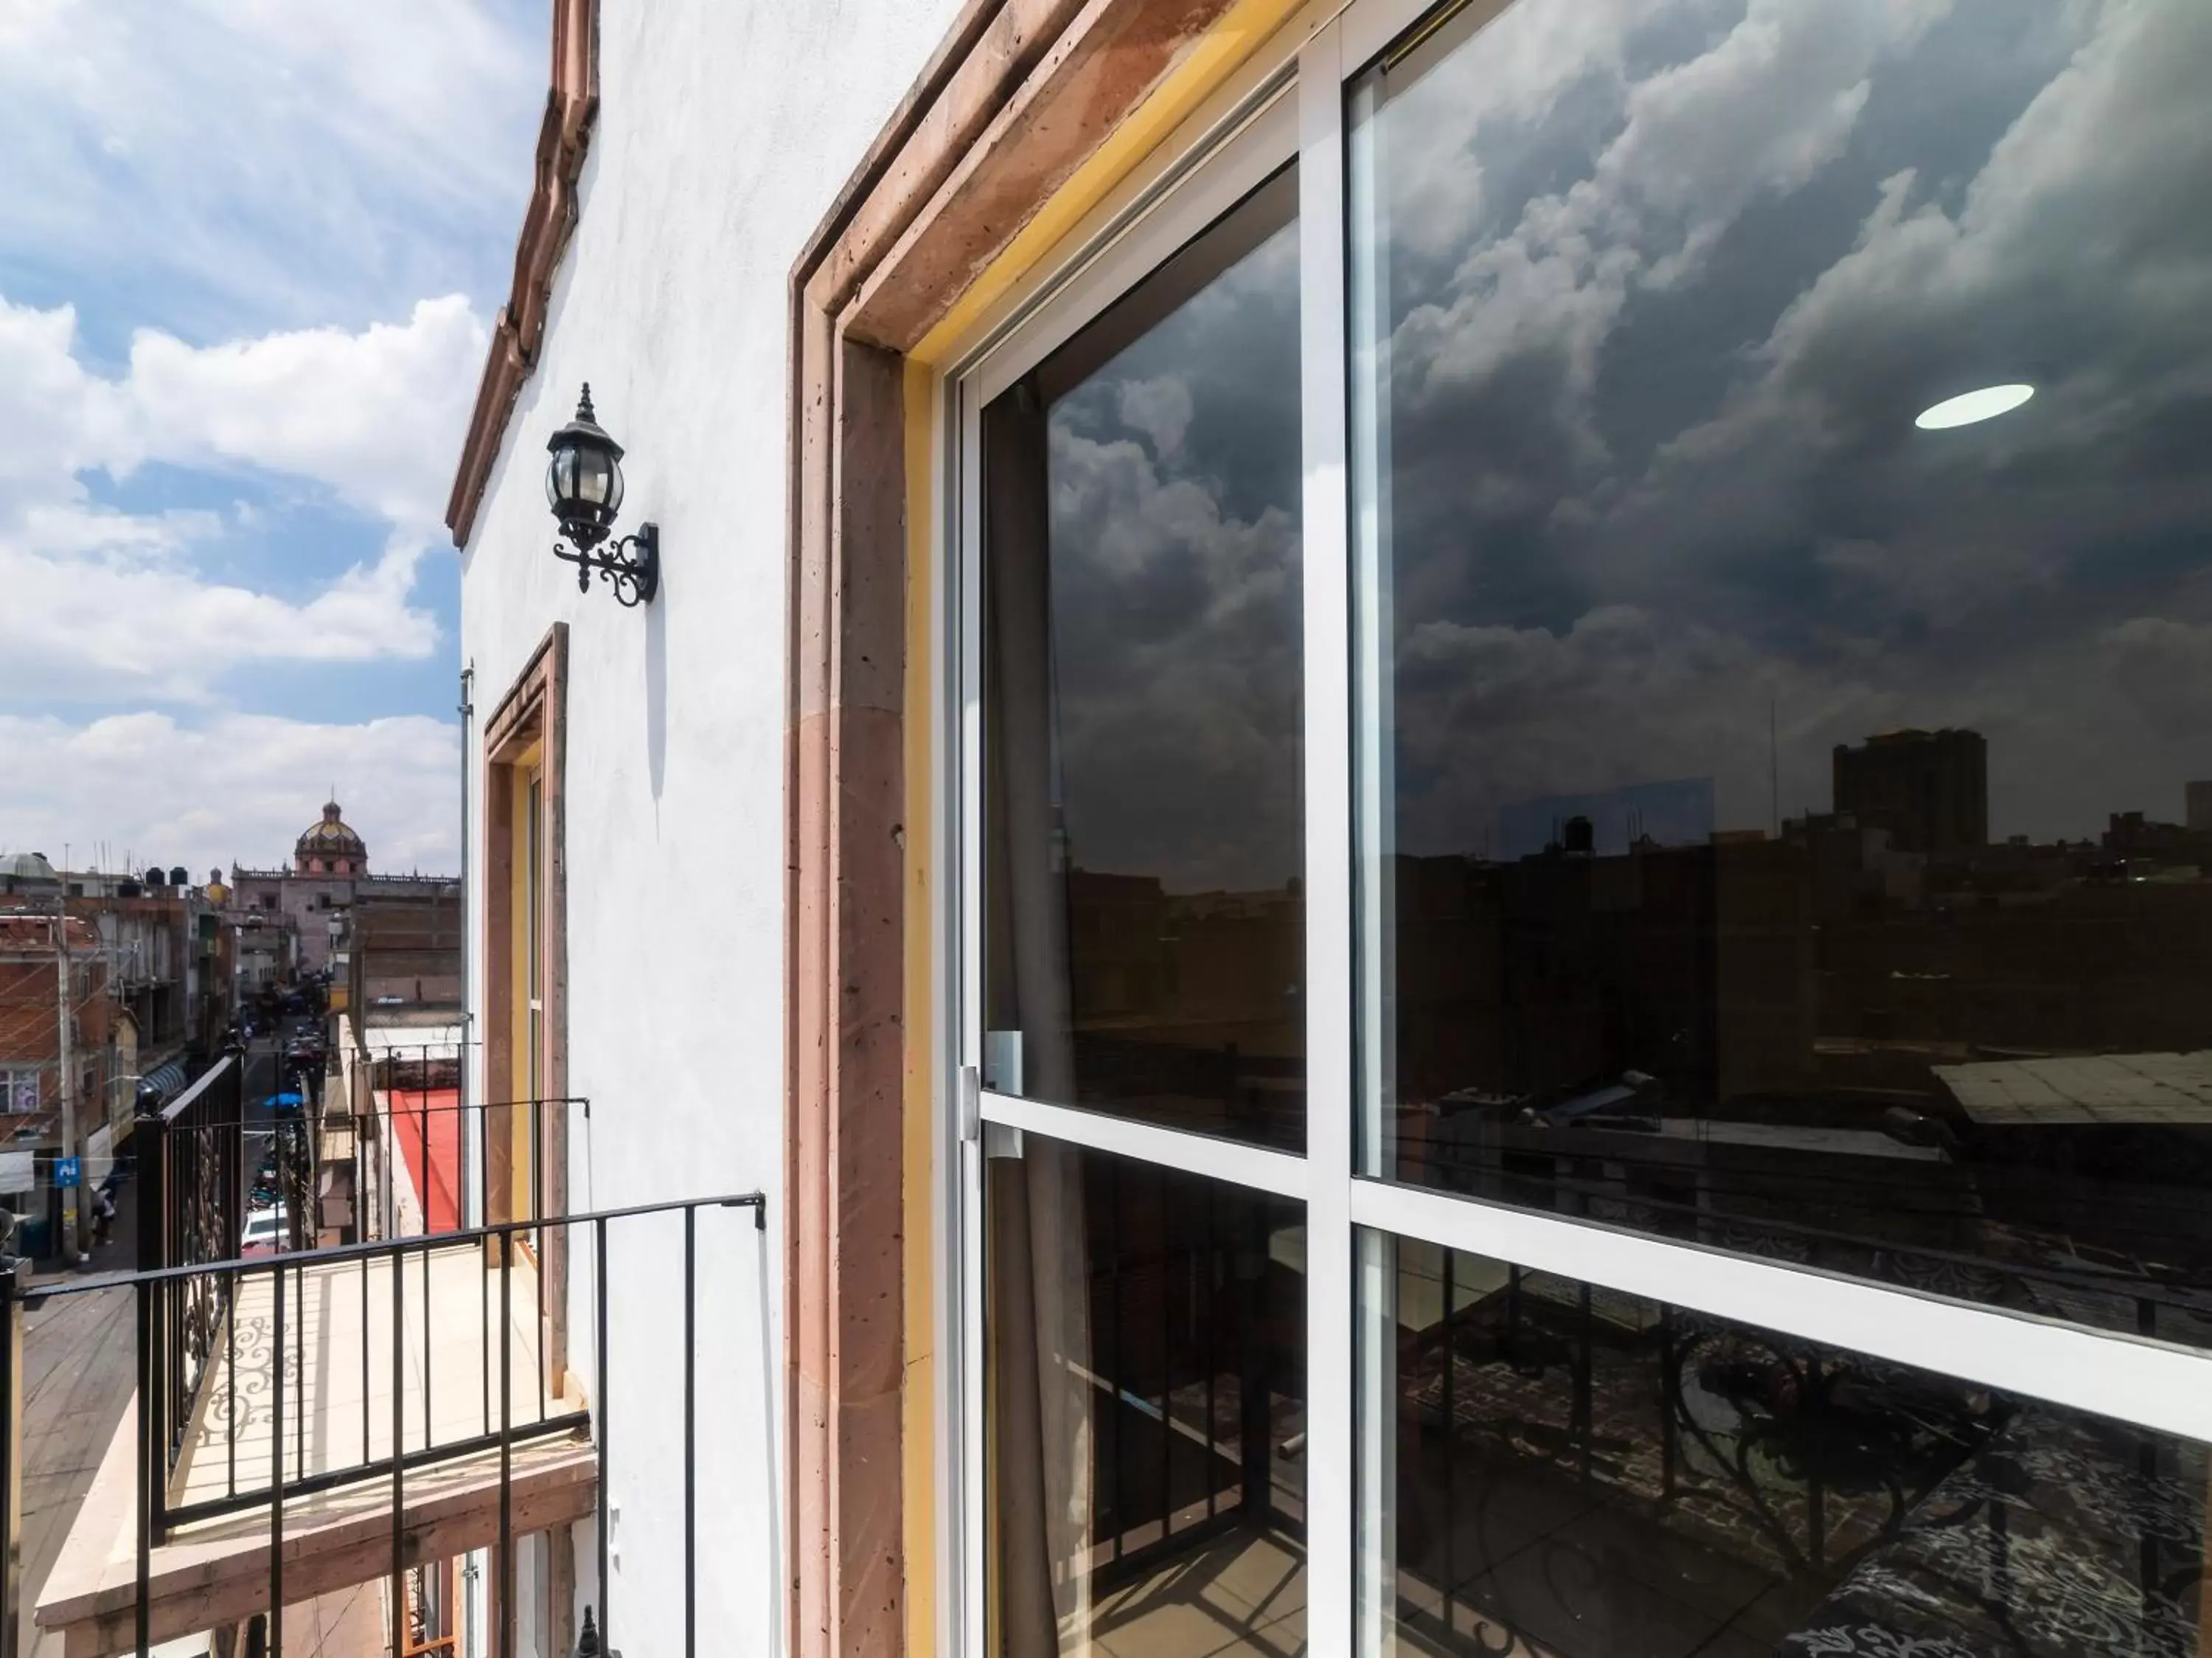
(72, 1210)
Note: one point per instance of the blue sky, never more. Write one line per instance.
(251, 254)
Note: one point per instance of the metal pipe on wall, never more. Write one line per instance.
(468, 936)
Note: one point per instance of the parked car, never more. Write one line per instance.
(266, 1229)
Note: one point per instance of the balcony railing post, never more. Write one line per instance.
(13, 1280)
(149, 1150)
(690, 1434)
(233, 1150)
(505, 1646)
(399, 1445)
(149, 1468)
(150, 1136)
(276, 1473)
(600, 1416)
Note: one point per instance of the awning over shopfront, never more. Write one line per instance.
(158, 1084)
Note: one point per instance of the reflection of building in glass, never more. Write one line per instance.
(1188, 1001)
(1673, 812)
(1930, 789)
(1809, 1030)
(2200, 807)
(2160, 846)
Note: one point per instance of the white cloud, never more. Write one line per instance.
(1772, 101)
(105, 602)
(1178, 699)
(249, 199)
(105, 629)
(377, 415)
(2084, 210)
(237, 787)
(1161, 408)
(251, 161)
(2076, 257)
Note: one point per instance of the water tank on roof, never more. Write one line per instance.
(157, 879)
(179, 876)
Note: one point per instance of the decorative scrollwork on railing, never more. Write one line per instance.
(1827, 1454)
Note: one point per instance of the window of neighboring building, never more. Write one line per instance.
(429, 1594)
(19, 1089)
(1584, 913)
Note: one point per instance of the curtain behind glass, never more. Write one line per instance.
(1040, 1321)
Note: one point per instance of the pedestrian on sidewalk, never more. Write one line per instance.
(103, 1217)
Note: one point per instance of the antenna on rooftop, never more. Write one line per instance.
(1773, 768)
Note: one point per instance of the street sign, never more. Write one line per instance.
(68, 1171)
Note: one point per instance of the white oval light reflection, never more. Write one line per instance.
(1964, 409)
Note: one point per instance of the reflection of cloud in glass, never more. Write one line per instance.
(1653, 464)
(1174, 473)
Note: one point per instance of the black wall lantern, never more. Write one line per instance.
(584, 485)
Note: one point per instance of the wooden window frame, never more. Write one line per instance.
(1021, 99)
(531, 722)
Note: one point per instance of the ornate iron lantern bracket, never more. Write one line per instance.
(631, 564)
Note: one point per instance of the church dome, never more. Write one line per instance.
(330, 848)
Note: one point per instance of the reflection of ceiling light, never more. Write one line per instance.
(1964, 409)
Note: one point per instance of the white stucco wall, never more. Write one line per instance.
(725, 128)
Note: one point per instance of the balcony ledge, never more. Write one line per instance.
(216, 1572)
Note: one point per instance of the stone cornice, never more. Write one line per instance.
(572, 103)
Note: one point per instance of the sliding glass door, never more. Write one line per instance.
(1580, 658)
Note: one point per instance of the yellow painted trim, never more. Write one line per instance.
(1217, 55)
(525, 912)
(918, 1397)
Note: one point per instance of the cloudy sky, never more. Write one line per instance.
(1658, 289)
(1174, 506)
(250, 255)
(1667, 284)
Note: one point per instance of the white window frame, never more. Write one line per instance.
(1291, 100)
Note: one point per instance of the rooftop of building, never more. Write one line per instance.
(31, 931)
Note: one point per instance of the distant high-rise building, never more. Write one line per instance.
(1930, 789)
(2200, 807)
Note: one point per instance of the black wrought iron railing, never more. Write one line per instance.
(424, 1164)
(261, 1426)
(192, 1199)
(210, 1169)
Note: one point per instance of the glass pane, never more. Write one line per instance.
(1147, 1398)
(1567, 1471)
(1785, 814)
(1145, 925)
